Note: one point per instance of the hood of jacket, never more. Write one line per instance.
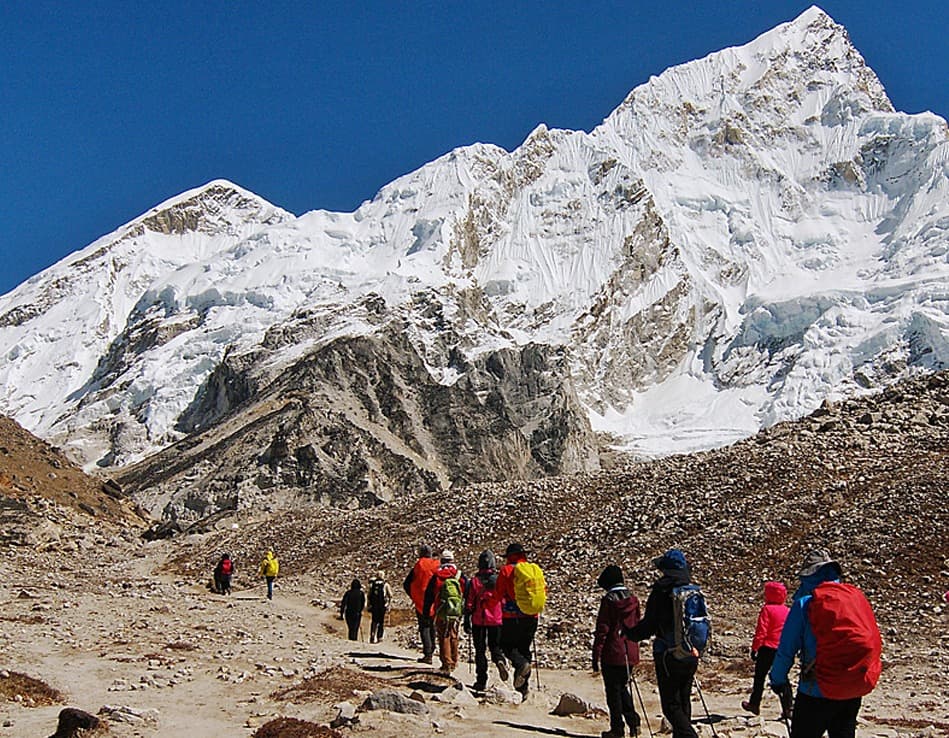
(623, 602)
(673, 578)
(446, 571)
(775, 593)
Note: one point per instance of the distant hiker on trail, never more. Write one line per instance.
(765, 642)
(832, 626)
(613, 654)
(351, 607)
(523, 594)
(222, 575)
(675, 668)
(414, 585)
(269, 569)
(483, 619)
(444, 598)
(378, 604)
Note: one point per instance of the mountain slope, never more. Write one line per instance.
(743, 237)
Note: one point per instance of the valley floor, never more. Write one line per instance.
(107, 628)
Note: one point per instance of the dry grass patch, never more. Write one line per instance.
(333, 685)
(16, 687)
(294, 728)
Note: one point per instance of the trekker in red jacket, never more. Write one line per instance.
(414, 585)
(613, 655)
(517, 628)
(765, 642)
(447, 604)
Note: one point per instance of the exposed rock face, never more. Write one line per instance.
(361, 421)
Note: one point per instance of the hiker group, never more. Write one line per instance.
(830, 627)
(498, 607)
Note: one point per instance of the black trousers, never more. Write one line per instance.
(426, 632)
(352, 623)
(377, 625)
(517, 637)
(762, 667)
(486, 638)
(814, 715)
(674, 678)
(618, 699)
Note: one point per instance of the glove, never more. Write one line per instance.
(754, 655)
(466, 624)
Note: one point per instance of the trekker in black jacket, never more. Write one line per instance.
(351, 607)
(673, 675)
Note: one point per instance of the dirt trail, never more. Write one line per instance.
(111, 631)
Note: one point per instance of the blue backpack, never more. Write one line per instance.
(692, 625)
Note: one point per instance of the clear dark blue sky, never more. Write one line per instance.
(109, 107)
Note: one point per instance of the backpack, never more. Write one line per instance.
(692, 627)
(227, 567)
(377, 595)
(849, 647)
(530, 588)
(450, 601)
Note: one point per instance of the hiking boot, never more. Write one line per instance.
(610, 734)
(633, 725)
(753, 709)
(522, 676)
(502, 670)
(479, 686)
(424, 659)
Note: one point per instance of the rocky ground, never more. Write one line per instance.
(106, 619)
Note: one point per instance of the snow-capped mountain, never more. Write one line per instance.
(743, 237)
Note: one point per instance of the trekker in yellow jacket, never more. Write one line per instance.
(269, 568)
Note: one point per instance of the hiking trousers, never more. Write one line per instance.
(674, 677)
(352, 623)
(517, 637)
(426, 633)
(486, 638)
(619, 700)
(447, 631)
(377, 625)
(762, 667)
(814, 715)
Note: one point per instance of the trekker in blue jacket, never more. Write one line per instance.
(813, 713)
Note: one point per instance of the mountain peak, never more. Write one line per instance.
(209, 208)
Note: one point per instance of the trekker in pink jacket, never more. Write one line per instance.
(765, 642)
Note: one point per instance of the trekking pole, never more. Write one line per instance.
(630, 677)
(536, 653)
(641, 704)
(707, 713)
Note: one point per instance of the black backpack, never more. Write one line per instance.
(377, 595)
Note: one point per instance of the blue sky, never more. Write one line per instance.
(108, 108)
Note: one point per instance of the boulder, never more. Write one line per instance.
(387, 699)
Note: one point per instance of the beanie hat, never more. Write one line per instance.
(487, 560)
(610, 577)
(425, 551)
(671, 560)
(515, 549)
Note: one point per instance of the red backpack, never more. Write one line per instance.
(226, 566)
(849, 647)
